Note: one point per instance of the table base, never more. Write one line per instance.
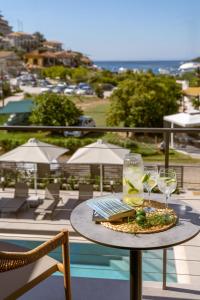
(135, 275)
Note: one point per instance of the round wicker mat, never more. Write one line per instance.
(133, 227)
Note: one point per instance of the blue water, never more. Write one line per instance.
(170, 66)
(96, 261)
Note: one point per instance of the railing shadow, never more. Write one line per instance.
(187, 213)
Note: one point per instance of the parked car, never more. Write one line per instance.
(57, 90)
(80, 92)
(70, 89)
(18, 119)
(83, 121)
(45, 89)
(84, 89)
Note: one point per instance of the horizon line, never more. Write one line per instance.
(139, 60)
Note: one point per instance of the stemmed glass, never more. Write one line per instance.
(167, 183)
(149, 182)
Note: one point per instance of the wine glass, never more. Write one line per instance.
(167, 183)
(149, 182)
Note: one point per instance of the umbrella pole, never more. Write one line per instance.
(35, 180)
(101, 179)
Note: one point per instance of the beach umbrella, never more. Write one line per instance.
(32, 153)
(99, 153)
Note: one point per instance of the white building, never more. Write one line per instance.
(22, 40)
(5, 28)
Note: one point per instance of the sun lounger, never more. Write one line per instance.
(13, 205)
(49, 204)
(21, 270)
(85, 191)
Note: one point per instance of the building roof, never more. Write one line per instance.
(14, 107)
(37, 54)
(65, 54)
(4, 54)
(192, 91)
(52, 43)
(19, 34)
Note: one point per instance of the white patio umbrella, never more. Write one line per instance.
(35, 152)
(99, 153)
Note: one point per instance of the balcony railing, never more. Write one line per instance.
(166, 134)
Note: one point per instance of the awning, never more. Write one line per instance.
(192, 91)
(14, 107)
(184, 119)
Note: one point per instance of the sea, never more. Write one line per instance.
(157, 66)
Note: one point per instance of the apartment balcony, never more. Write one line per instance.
(100, 272)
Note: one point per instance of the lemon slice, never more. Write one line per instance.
(168, 181)
(132, 189)
(145, 178)
(133, 201)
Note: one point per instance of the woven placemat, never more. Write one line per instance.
(133, 227)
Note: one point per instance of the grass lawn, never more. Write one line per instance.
(176, 157)
(98, 113)
(93, 107)
(3, 119)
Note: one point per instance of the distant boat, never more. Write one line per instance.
(122, 70)
(189, 66)
(163, 71)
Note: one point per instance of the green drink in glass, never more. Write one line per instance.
(132, 184)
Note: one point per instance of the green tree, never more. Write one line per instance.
(80, 74)
(56, 71)
(144, 100)
(6, 89)
(99, 91)
(39, 36)
(191, 77)
(54, 110)
(196, 102)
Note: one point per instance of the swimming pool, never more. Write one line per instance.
(96, 261)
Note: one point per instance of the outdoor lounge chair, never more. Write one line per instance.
(85, 191)
(50, 202)
(13, 205)
(20, 271)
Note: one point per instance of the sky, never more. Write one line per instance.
(113, 29)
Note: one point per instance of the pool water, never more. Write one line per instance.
(96, 261)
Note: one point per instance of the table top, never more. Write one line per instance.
(186, 228)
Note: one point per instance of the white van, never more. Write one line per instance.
(83, 121)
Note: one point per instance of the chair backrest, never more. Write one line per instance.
(21, 190)
(10, 261)
(85, 191)
(43, 171)
(52, 191)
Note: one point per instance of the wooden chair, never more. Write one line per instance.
(85, 191)
(21, 271)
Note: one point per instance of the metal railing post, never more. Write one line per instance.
(166, 140)
(164, 283)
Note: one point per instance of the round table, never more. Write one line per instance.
(186, 228)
